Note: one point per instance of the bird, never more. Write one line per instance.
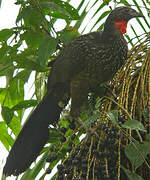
(87, 61)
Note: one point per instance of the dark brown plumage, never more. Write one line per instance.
(87, 61)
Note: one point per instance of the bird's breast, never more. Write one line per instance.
(104, 62)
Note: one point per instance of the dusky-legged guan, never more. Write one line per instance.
(87, 61)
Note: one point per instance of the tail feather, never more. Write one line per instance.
(32, 137)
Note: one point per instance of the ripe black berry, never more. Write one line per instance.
(60, 167)
(63, 130)
(77, 148)
(51, 158)
(88, 143)
(73, 137)
(72, 126)
(69, 148)
(66, 171)
(62, 139)
(121, 118)
(52, 148)
(48, 171)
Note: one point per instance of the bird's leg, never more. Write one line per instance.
(79, 95)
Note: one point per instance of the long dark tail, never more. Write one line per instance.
(33, 136)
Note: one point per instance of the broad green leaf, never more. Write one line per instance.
(59, 15)
(30, 64)
(90, 119)
(113, 116)
(5, 138)
(5, 34)
(15, 125)
(54, 136)
(70, 9)
(7, 114)
(31, 16)
(13, 94)
(16, 90)
(32, 38)
(53, 6)
(5, 69)
(40, 85)
(35, 17)
(23, 75)
(145, 114)
(26, 59)
(134, 125)
(46, 48)
(68, 34)
(5, 98)
(132, 176)
(22, 14)
(3, 50)
(61, 9)
(135, 154)
(24, 105)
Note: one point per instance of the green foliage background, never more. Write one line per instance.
(34, 42)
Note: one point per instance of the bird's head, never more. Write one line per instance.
(119, 18)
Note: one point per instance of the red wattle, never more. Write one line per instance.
(121, 26)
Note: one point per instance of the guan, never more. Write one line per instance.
(87, 61)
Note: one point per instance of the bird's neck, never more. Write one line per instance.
(111, 36)
(115, 28)
(114, 31)
(121, 26)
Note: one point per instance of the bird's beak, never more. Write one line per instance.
(139, 15)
